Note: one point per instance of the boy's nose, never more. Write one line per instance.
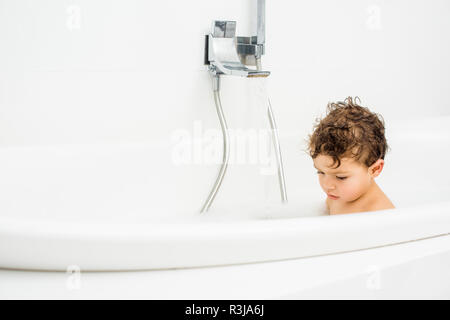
(328, 185)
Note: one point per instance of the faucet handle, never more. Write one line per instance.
(224, 29)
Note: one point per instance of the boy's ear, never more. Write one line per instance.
(376, 168)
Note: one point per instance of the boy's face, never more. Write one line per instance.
(349, 181)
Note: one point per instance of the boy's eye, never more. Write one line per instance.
(340, 178)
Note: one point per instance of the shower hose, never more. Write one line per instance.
(226, 144)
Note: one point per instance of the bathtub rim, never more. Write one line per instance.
(53, 246)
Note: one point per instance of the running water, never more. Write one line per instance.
(268, 165)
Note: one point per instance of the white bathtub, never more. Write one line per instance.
(117, 208)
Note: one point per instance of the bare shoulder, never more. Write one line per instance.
(383, 203)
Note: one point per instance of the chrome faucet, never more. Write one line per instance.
(229, 55)
(226, 54)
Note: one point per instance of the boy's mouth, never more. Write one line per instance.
(332, 197)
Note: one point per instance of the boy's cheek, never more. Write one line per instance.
(353, 192)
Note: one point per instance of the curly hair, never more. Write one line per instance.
(349, 131)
